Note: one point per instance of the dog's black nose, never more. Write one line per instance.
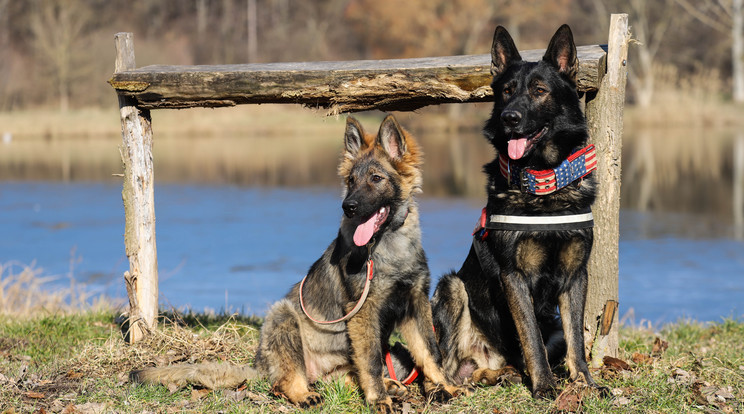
(511, 118)
(350, 207)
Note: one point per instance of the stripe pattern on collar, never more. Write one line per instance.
(541, 182)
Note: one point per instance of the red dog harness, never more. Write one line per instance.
(391, 371)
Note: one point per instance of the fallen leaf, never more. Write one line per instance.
(22, 371)
(57, 406)
(70, 409)
(198, 394)
(69, 396)
(572, 397)
(568, 402)
(616, 364)
(172, 387)
(257, 397)
(697, 394)
(406, 408)
(235, 396)
(640, 359)
(40, 411)
(34, 395)
(620, 401)
(92, 408)
(74, 375)
(709, 393)
(681, 375)
(659, 347)
(726, 393)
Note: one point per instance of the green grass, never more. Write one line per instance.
(53, 361)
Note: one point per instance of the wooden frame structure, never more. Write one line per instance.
(398, 84)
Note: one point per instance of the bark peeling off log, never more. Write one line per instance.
(396, 84)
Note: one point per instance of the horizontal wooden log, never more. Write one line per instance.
(395, 84)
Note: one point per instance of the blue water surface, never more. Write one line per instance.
(241, 249)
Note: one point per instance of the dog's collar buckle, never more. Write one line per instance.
(524, 181)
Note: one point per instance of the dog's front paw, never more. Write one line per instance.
(586, 380)
(395, 388)
(384, 405)
(459, 390)
(486, 376)
(604, 392)
(444, 392)
(545, 392)
(311, 399)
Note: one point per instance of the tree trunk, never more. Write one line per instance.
(139, 204)
(252, 23)
(605, 116)
(737, 50)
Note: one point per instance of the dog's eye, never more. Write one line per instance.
(350, 180)
(540, 91)
(376, 178)
(507, 92)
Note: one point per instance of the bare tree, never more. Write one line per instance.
(252, 27)
(57, 27)
(725, 16)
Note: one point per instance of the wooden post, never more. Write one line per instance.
(139, 207)
(604, 110)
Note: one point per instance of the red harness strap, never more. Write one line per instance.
(389, 363)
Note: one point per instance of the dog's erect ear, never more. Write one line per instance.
(503, 51)
(561, 52)
(392, 138)
(353, 137)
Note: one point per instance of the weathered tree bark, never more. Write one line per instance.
(737, 50)
(396, 84)
(139, 206)
(604, 112)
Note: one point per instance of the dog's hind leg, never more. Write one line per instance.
(465, 351)
(281, 358)
(418, 331)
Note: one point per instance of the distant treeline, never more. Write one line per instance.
(60, 52)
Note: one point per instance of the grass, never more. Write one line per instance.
(68, 356)
(52, 362)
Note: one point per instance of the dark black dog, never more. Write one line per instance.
(531, 247)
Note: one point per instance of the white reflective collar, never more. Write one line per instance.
(573, 218)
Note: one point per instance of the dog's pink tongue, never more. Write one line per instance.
(516, 148)
(365, 231)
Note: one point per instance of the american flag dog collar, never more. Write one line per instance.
(541, 182)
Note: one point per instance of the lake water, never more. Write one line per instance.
(242, 215)
(241, 248)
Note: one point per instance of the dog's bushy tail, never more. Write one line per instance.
(212, 375)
